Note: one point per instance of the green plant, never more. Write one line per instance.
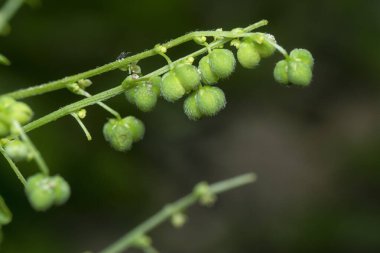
(177, 79)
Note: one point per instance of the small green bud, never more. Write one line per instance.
(84, 83)
(136, 127)
(190, 107)
(248, 55)
(17, 150)
(145, 98)
(118, 135)
(20, 112)
(203, 193)
(188, 76)
(222, 62)
(171, 88)
(263, 46)
(280, 72)
(61, 190)
(210, 100)
(208, 77)
(178, 219)
(40, 192)
(299, 73)
(302, 55)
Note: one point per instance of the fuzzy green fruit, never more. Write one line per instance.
(190, 107)
(156, 82)
(61, 190)
(263, 46)
(42, 198)
(302, 55)
(17, 150)
(210, 100)
(208, 77)
(4, 128)
(247, 55)
(171, 88)
(20, 112)
(118, 135)
(145, 98)
(280, 72)
(188, 76)
(136, 127)
(299, 73)
(222, 62)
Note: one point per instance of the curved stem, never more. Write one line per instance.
(8, 10)
(127, 240)
(13, 166)
(103, 105)
(61, 83)
(84, 128)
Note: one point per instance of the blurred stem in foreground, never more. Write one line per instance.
(8, 10)
(200, 192)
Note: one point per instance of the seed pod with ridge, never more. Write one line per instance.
(188, 76)
(118, 135)
(145, 97)
(248, 55)
(171, 88)
(40, 192)
(136, 127)
(299, 73)
(280, 72)
(190, 107)
(208, 77)
(210, 100)
(263, 46)
(17, 150)
(302, 55)
(20, 112)
(156, 84)
(61, 190)
(222, 62)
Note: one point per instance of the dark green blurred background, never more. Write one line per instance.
(316, 151)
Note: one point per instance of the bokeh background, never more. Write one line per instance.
(316, 151)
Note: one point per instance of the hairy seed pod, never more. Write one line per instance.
(210, 100)
(207, 76)
(190, 107)
(20, 112)
(17, 150)
(247, 54)
(263, 46)
(299, 73)
(222, 62)
(156, 84)
(61, 190)
(135, 126)
(302, 55)
(171, 88)
(188, 76)
(145, 98)
(280, 72)
(40, 192)
(118, 135)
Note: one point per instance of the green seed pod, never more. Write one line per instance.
(20, 112)
(171, 88)
(188, 76)
(222, 62)
(40, 192)
(280, 72)
(264, 48)
(145, 98)
(302, 55)
(190, 107)
(156, 84)
(135, 126)
(5, 102)
(17, 150)
(4, 129)
(210, 100)
(61, 190)
(208, 77)
(299, 73)
(118, 135)
(130, 94)
(247, 54)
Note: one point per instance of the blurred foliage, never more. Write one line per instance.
(316, 150)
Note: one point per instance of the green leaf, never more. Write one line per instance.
(5, 213)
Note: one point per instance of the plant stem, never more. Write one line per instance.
(13, 166)
(127, 240)
(103, 105)
(61, 83)
(84, 128)
(102, 96)
(8, 10)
